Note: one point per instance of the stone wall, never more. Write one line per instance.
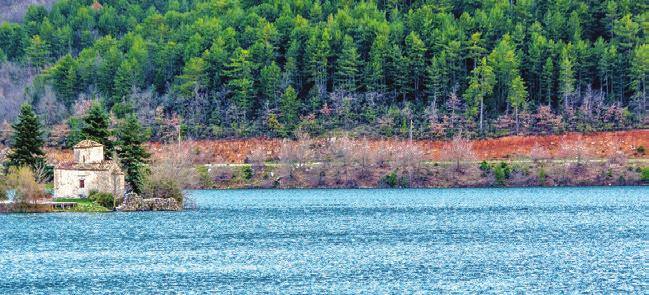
(89, 155)
(67, 182)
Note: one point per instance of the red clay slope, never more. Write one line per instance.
(600, 145)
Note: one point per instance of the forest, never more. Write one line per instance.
(407, 69)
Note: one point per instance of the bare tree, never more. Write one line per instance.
(539, 153)
(49, 108)
(13, 80)
(459, 150)
(170, 173)
(409, 159)
(257, 158)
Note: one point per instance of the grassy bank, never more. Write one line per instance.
(83, 205)
(403, 174)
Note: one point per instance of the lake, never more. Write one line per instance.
(532, 240)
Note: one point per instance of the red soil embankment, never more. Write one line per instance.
(600, 145)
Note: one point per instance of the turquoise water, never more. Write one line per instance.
(536, 240)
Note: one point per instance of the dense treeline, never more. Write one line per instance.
(379, 68)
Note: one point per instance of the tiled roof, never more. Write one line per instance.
(103, 166)
(87, 144)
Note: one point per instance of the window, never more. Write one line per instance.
(82, 183)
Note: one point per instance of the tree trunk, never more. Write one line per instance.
(517, 124)
(481, 112)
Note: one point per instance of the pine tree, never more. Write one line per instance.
(132, 155)
(415, 52)
(547, 80)
(375, 68)
(289, 108)
(398, 72)
(566, 77)
(640, 75)
(347, 66)
(239, 71)
(96, 126)
(517, 97)
(38, 53)
(194, 78)
(481, 85)
(270, 83)
(27, 140)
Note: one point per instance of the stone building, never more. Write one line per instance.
(89, 172)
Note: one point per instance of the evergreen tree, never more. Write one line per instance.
(27, 140)
(517, 97)
(566, 78)
(289, 109)
(132, 155)
(415, 51)
(239, 71)
(96, 126)
(38, 52)
(374, 70)
(481, 85)
(347, 66)
(640, 75)
(270, 83)
(547, 80)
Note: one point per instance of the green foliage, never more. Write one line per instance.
(391, 179)
(289, 107)
(542, 175)
(204, 176)
(103, 199)
(246, 172)
(502, 172)
(644, 174)
(233, 60)
(83, 205)
(27, 140)
(162, 188)
(96, 126)
(485, 167)
(499, 173)
(131, 153)
(640, 150)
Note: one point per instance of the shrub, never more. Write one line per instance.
(102, 199)
(204, 179)
(507, 170)
(644, 174)
(170, 174)
(640, 150)
(391, 179)
(499, 173)
(28, 190)
(484, 166)
(155, 187)
(542, 176)
(246, 172)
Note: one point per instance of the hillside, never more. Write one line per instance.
(376, 69)
(14, 11)
(600, 145)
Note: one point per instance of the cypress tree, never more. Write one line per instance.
(130, 137)
(96, 127)
(27, 140)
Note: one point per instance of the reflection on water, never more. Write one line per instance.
(591, 240)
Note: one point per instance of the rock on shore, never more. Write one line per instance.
(134, 202)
